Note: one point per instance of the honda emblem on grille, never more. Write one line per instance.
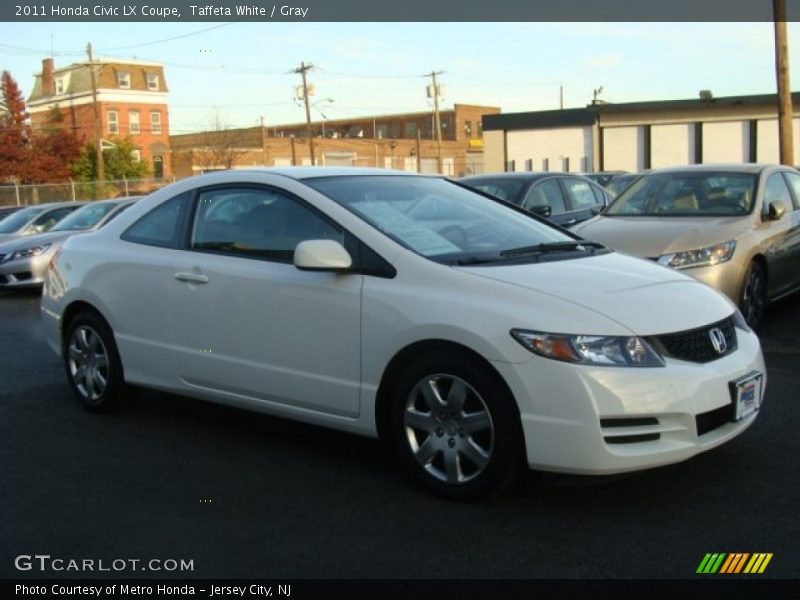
(718, 340)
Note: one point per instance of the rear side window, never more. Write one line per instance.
(161, 226)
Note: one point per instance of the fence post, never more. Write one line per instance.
(16, 190)
(125, 179)
(72, 187)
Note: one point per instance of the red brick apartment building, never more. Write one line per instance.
(131, 97)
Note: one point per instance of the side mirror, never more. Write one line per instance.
(596, 210)
(543, 211)
(776, 210)
(321, 255)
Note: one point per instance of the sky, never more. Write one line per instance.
(242, 72)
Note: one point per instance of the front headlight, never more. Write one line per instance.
(27, 252)
(702, 257)
(608, 351)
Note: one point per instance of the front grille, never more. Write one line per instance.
(713, 419)
(695, 345)
(23, 275)
(3, 279)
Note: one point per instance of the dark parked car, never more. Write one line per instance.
(563, 198)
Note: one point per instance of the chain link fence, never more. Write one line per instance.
(13, 194)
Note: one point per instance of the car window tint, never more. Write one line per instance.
(50, 218)
(580, 193)
(794, 182)
(505, 189)
(161, 226)
(258, 223)
(546, 193)
(776, 190)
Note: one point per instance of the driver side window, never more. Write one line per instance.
(257, 223)
(545, 193)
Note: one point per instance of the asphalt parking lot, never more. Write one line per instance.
(246, 495)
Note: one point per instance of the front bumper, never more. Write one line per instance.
(24, 273)
(571, 415)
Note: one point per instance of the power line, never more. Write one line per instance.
(169, 39)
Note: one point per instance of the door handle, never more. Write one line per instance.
(191, 277)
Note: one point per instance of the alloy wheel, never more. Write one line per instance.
(449, 428)
(88, 363)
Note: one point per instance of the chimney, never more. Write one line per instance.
(48, 84)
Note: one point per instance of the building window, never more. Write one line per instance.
(468, 128)
(136, 155)
(60, 85)
(411, 129)
(480, 128)
(113, 122)
(382, 131)
(124, 80)
(152, 81)
(155, 122)
(133, 121)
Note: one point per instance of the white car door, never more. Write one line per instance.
(246, 324)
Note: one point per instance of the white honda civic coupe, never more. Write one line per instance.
(474, 337)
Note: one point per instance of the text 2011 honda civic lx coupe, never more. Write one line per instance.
(473, 336)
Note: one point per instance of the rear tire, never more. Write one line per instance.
(456, 428)
(92, 364)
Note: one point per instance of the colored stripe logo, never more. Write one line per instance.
(734, 563)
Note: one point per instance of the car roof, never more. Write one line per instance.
(300, 173)
(753, 168)
(520, 175)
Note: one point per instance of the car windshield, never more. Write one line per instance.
(17, 220)
(85, 217)
(505, 189)
(683, 194)
(446, 223)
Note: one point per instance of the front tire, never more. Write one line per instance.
(92, 364)
(455, 427)
(753, 303)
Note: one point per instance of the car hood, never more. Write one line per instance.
(16, 243)
(651, 237)
(640, 295)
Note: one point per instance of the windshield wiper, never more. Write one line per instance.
(581, 245)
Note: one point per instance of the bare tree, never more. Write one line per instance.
(219, 146)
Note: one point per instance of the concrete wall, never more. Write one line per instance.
(623, 148)
(726, 142)
(549, 149)
(671, 145)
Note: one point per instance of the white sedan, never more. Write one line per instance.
(472, 336)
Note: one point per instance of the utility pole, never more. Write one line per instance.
(302, 70)
(98, 131)
(433, 90)
(784, 90)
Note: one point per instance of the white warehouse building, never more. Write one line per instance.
(638, 135)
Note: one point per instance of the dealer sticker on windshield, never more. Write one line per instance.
(746, 395)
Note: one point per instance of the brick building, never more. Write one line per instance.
(131, 99)
(400, 141)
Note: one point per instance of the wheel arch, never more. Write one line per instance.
(74, 309)
(408, 354)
